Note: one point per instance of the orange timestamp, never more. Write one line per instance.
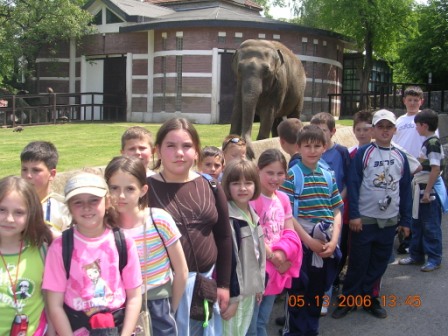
(355, 301)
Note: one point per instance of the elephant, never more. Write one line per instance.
(270, 83)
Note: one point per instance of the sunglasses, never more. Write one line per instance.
(233, 140)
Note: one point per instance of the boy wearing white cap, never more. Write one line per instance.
(379, 191)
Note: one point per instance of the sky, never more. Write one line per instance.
(278, 12)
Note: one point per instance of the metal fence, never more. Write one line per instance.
(37, 109)
(390, 96)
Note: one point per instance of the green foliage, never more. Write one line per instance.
(384, 21)
(376, 27)
(27, 26)
(427, 51)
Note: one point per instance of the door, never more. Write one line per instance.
(228, 85)
(94, 83)
(115, 89)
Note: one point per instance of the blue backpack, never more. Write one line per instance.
(298, 183)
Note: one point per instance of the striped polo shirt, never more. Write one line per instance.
(316, 203)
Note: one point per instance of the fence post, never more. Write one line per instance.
(13, 115)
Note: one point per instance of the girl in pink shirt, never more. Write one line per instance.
(83, 302)
(275, 213)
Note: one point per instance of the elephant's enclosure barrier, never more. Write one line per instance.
(344, 136)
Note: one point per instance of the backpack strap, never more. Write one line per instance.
(298, 188)
(211, 181)
(68, 243)
(67, 249)
(298, 184)
(120, 242)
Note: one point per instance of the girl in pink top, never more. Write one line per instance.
(275, 213)
(94, 288)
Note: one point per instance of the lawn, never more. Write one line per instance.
(85, 144)
(88, 144)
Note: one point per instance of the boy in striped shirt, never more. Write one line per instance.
(319, 226)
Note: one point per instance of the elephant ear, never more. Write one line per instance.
(278, 64)
(280, 55)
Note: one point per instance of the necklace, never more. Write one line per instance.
(13, 283)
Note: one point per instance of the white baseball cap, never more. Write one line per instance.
(384, 115)
(85, 183)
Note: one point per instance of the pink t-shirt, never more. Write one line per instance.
(272, 212)
(95, 282)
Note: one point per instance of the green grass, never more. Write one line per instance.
(85, 144)
(89, 144)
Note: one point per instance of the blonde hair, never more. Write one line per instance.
(36, 230)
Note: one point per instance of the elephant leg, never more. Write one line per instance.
(275, 124)
(236, 119)
(266, 121)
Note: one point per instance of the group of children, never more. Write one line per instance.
(261, 229)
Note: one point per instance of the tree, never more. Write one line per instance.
(376, 26)
(427, 51)
(27, 26)
(266, 4)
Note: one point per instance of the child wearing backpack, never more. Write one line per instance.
(316, 202)
(24, 237)
(165, 268)
(89, 291)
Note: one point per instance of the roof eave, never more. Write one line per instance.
(280, 26)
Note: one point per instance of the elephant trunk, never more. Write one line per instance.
(251, 91)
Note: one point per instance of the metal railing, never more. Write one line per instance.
(389, 96)
(38, 109)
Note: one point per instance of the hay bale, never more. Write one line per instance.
(344, 136)
(60, 179)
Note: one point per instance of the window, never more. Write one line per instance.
(98, 18)
(179, 46)
(222, 37)
(111, 17)
(238, 38)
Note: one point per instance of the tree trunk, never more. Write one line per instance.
(367, 68)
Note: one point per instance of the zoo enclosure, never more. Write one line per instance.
(390, 96)
(37, 109)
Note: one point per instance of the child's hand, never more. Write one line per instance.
(316, 245)
(425, 198)
(259, 298)
(278, 258)
(230, 311)
(406, 230)
(284, 267)
(328, 249)
(355, 225)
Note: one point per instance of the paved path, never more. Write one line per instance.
(402, 282)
